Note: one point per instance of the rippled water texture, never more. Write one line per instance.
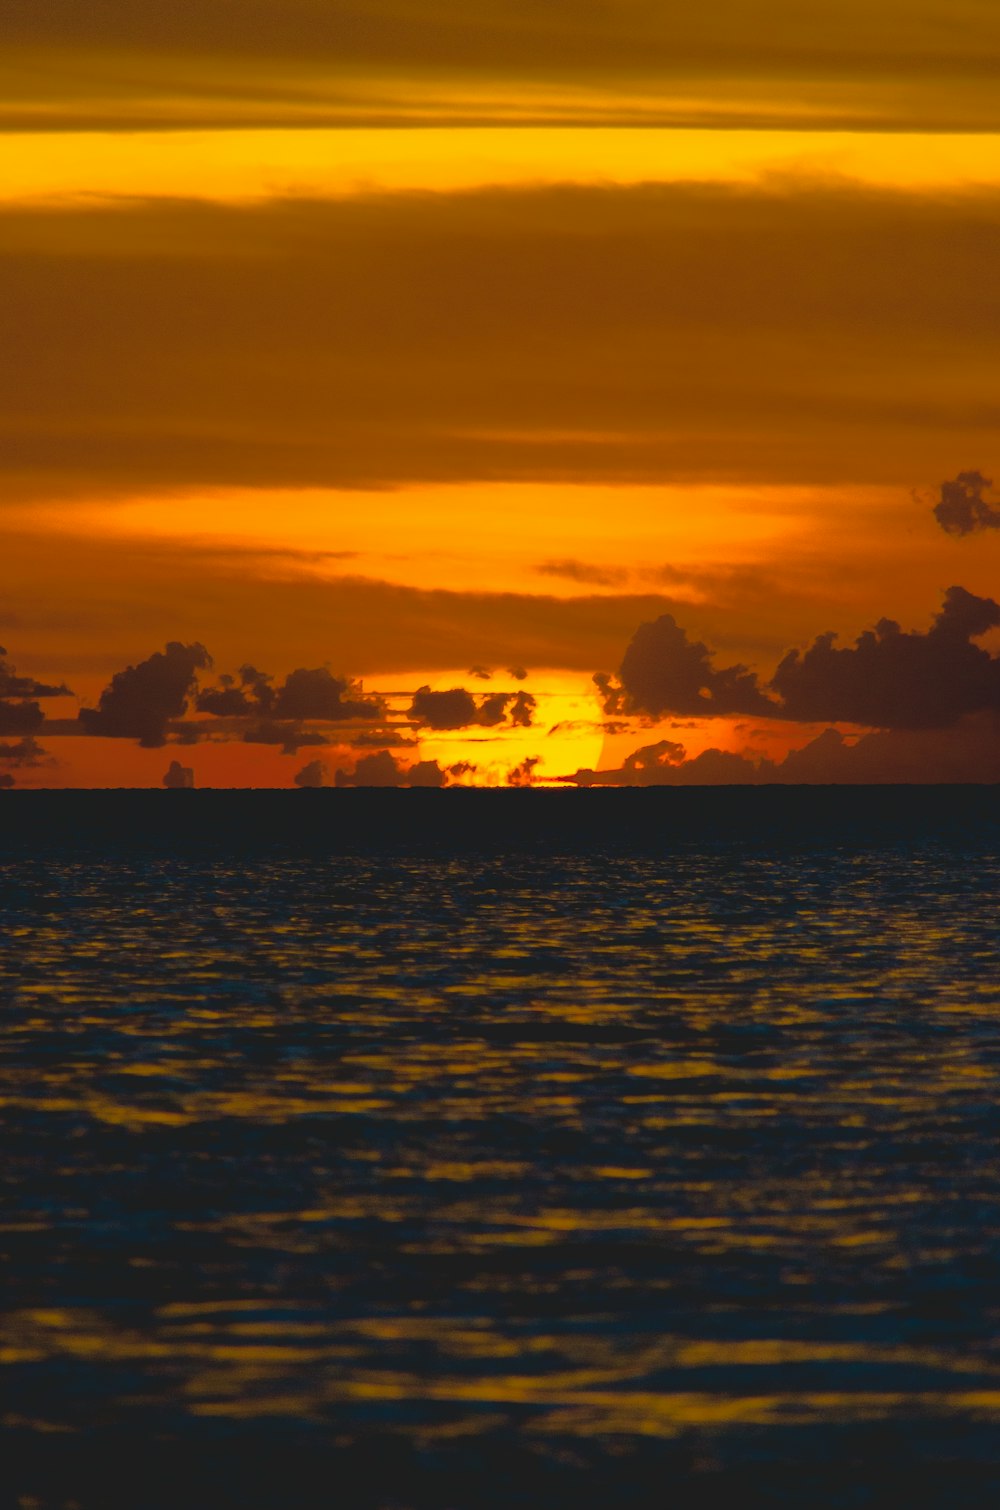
(455, 1182)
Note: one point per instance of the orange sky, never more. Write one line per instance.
(409, 349)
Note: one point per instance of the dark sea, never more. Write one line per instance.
(450, 1150)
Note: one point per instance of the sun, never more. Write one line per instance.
(566, 733)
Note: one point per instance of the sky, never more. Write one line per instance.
(499, 393)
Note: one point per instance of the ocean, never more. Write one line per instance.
(450, 1150)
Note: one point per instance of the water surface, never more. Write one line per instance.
(430, 1179)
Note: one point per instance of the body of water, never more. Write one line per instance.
(452, 1176)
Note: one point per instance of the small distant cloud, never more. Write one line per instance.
(962, 508)
(585, 572)
(523, 774)
(315, 774)
(178, 777)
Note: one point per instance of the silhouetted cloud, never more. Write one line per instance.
(482, 673)
(141, 700)
(19, 710)
(968, 751)
(523, 774)
(426, 773)
(26, 752)
(6, 780)
(458, 709)
(517, 672)
(664, 764)
(896, 679)
(178, 777)
(962, 508)
(382, 739)
(382, 769)
(319, 694)
(20, 718)
(315, 774)
(227, 700)
(289, 736)
(663, 671)
(12, 685)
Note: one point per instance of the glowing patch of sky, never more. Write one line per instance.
(241, 166)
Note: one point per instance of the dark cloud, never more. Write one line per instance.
(6, 780)
(319, 694)
(257, 684)
(382, 739)
(224, 702)
(178, 777)
(663, 671)
(20, 718)
(517, 672)
(426, 773)
(968, 751)
(962, 509)
(19, 710)
(458, 709)
(664, 764)
(482, 673)
(704, 304)
(141, 700)
(893, 678)
(524, 773)
(522, 708)
(26, 752)
(315, 774)
(289, 736)
(12, 685)
(382, 769)
(888, 679)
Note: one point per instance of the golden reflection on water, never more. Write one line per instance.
(598, 1149)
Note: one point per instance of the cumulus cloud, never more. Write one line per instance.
(320, 694)
(382, 769)
(426, 773)
(962, 508)
(141, 700)
(19, 718)
(178, 777)
(891, 678)
(456, 708)
(315, 774)
(663, 671)
(664, 764)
